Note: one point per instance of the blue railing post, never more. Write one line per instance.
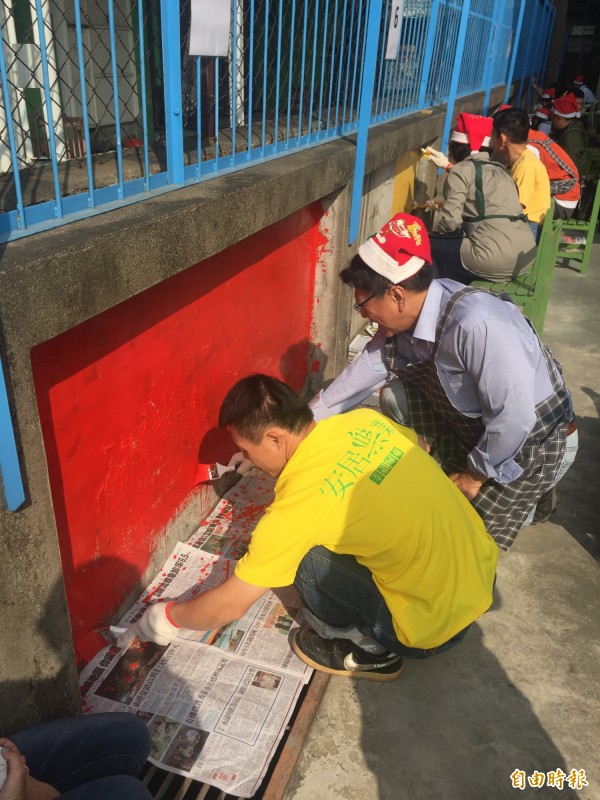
(84, 104)
(9, 458)
(10, 127)
(552, 13)
(527, 60)
(427, 56)
(142, 51)
(492, 50)
(58, 210)
(513, 55)
(460, 46)
(171, 46)
(364, 115)
(534, 68)
(116, 105)
(545, 42)
(536, 58)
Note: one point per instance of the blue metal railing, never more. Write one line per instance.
(299, 72)
(480, 27)
(294, 77)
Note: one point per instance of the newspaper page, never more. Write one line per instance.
(228, 529)
(216, 702)
(261, 635)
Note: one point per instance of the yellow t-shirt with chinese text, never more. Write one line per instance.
(359, 484)
(533, 184)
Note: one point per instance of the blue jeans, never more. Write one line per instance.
(535, 229)
(571, 447)
(342, 593)
(94, 757)
(447, 263)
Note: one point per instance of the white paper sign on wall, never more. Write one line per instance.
(210, 25)
(393, 42)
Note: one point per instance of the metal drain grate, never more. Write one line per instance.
(168, 786)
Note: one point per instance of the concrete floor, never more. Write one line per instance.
(523, 690)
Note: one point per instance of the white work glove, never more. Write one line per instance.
(154, 626)
(439, 159)
(243, 464)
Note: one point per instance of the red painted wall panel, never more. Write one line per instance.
(128, 401)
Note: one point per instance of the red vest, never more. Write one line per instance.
(559, 166)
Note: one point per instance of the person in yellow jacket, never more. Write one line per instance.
(510, 130)
(387, 554)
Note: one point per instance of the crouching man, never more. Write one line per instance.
(388, 556)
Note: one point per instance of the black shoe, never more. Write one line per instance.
(343, 657)
(546, 506)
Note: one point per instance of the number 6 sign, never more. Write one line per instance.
(393, 42)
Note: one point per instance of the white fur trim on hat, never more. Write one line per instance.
(459, 136)
(485, 142)
(385, 265)
(566, 116)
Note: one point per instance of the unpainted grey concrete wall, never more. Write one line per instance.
(55, 280)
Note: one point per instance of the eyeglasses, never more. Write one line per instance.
(359, 306)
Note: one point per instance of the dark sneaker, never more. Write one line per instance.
(545, 508)
(343, 657)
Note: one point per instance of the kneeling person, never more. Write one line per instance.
(388, 556)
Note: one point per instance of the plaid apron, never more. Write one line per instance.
(503, 506)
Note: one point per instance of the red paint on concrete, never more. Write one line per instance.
(129, 400)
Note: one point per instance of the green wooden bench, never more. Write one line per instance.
(531, 291)
(584, 228)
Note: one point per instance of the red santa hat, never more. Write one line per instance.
(399, 249)
(542, 113)
(566, 106)
(503, 107)
(548, 94)
(578, 79)
(473, 130)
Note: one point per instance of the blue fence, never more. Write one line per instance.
(103, 106)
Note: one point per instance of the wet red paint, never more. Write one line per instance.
(129, 400)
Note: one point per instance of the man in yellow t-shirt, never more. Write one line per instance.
(510, 130)
(388, 556)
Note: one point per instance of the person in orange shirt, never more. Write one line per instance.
(565, 186)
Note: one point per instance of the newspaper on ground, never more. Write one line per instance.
(357, 345)
(216, 703)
